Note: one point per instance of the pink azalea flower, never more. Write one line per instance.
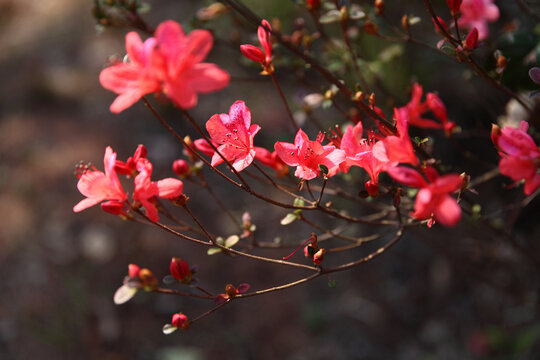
(477, 14)
(98, 186)
(264, 57)
(359, 152)
(433, 199)
(415, 109)
(234, 134)
(520, 157)
(397, 148)
(129, 168)
(146, 190)
(170, 62)
(308, 155)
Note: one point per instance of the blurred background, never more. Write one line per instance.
(471, 292)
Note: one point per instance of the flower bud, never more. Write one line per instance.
(372, 188)
(454, 6)
(180, 270)
(181, 168)
(319, 256)
(180, 321)
(230, 290)
(133, 270)
(148, 280)
(379, 6)
(472, 39)
(371, 28)
(443, 24)
(313, 4)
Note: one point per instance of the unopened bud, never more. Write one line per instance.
(149, 282)
(405, 23)
(454, 6)
(180, 270)
(472, 39)
(372, 188)
(319, 256)
(379, 6)
(371, 28)
(180, 321)
(133, 270)
(181, 168)
(372, 100)
(230, 290)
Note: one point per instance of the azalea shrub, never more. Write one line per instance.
(353, 161)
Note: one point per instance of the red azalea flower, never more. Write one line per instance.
(234, 134)
(264, 57)
(170, 62)
(359, 152)
(433, 198)
(98, 186)
(477, 14)
(146, 190)
(308, 155)
(397, 148)
(520, 157)
(129, 167)
(416, 109)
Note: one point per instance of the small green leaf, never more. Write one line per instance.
(326, 104)
(169, 329)
(220, 241)
(289, 219)
(231, 241)
(330, 17)
(124, 294)
(298, 202)
(413, 20)
(213, 250)
(324, 169)
(332, 283)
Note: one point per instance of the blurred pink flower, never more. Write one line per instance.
(234, 134)
(477, 14)
(520, 157)
(98, 186)
(170, 62)
(308, 155)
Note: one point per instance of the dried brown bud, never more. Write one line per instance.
(230, 290)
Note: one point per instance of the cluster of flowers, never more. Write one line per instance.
(98, 186)
(473, 15)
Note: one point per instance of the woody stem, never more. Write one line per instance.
(284, 100)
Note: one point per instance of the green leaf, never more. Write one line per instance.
(231, 241)
(330, 17)
(332, 283)
(289, 219)
(324, 169)
(213, 250)
(169, 329)
(298, 202)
